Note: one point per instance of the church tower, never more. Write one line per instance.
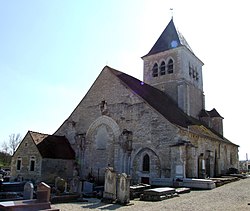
(172, 67)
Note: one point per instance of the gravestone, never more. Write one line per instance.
(157, 194)
(75, 185)
(199, 183)
(123, 189)
(109, 185)
(137, 190)
(43, 192)
(28, 190)
(60, 185)
(88, 187)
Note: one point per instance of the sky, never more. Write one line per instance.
(51, 52)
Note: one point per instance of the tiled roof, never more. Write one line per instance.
(37, 137)
(52, 146)
(170, 38)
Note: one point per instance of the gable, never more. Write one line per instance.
(27, 146)
(107, 87)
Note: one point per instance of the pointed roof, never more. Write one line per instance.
(53, 146)
(169, 39)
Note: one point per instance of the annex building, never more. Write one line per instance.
(155, 128)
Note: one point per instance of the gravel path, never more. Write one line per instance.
(233, 196)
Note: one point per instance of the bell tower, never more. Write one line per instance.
(172, 67)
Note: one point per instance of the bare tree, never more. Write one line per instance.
(14, 141)
(5, 147)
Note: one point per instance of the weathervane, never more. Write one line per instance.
(172, 13)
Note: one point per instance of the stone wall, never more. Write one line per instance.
(52, 168)
(107, 110)
(181, 85)
(26, 152)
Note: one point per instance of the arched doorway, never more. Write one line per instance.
(145, 165)
(101, 140)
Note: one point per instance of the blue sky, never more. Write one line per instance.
(51, 51)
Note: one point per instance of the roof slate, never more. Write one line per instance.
(170, 38)
(164, 104)
(157, 99)
(53, 146)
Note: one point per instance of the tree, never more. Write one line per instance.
(11, 146)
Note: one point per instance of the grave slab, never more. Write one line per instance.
(198, 183)
(24, 205)
(157, 194)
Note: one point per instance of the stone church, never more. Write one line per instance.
(155, 128)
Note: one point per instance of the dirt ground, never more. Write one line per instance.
(229, 197)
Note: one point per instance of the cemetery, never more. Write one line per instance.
(117, 189)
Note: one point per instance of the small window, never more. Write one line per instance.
(231, 158)
(146, 163)
(196, 74)
(155, 70)
(163, 68)
(19, 163)
(170, 66)
(190, 69)
(32, 164)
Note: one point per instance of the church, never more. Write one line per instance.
(155, 128)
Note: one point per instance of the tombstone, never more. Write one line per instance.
(123, 189)
(28, 190)
(157, 194)
(75, 185)
(60, 185)
(87, 187)
(43, 192)
(109, 185)
(137, 190)
(199, 183)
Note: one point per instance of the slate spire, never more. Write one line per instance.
(170, 38)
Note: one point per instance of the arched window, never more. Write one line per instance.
(163, 68)
(170, 66)
(146, 163)
(155, 70)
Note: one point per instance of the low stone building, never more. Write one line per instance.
(42, 157)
